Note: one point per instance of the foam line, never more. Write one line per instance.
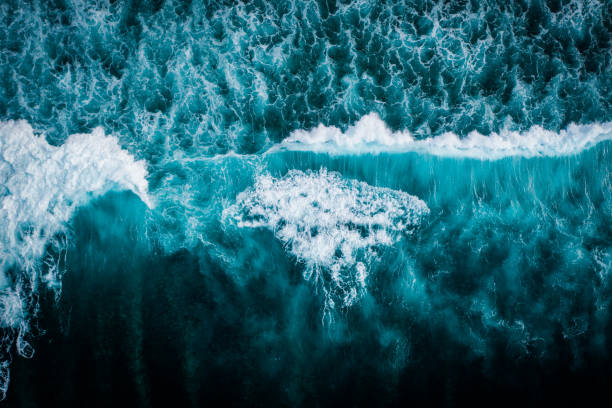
(371, 135)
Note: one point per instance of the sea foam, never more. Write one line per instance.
(371, 135)
(333, 225)
(40, 187)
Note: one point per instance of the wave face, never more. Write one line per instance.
(305, 202)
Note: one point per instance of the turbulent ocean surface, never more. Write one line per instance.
(305, 203)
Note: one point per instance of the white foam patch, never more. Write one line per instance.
(371, 135)
(331, 224)
(40, 187)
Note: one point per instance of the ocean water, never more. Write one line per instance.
(305, 203)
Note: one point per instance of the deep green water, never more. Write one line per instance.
(305, 203)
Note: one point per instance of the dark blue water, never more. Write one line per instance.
(305, 203)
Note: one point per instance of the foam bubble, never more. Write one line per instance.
(41, 186)
(332, 225)
(370, 135)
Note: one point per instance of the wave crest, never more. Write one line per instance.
(371, 135)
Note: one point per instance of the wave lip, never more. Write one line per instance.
(40, 188)
(331, 224)
(371, 135)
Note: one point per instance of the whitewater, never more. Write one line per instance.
(42, 186)
(371, 135)
(304, 203)
(335, 226)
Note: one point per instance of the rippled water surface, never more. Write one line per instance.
(305, 203)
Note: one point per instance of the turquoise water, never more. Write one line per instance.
(304, 203)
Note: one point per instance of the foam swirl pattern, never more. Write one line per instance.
(332, 225)
(303, 203)
(207, 77)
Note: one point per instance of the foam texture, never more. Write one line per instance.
(370, 135)
(334, 226)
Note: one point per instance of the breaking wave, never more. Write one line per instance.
(287, 138)
(41, 186)
(370, 135)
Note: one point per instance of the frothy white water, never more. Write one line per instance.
(40, 187)
(371, 135)
(331, 224)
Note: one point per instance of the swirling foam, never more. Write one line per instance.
(332, 225)
(41, 186)
(370, 134)
(206, 78)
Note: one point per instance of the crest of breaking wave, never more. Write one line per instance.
(370, 135)
(207, 77)
(40, 188)
(334, 226)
